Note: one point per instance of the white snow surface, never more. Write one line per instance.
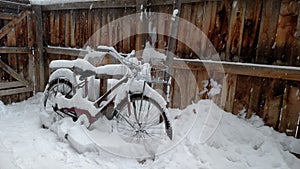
(236, 143)
(150, 55)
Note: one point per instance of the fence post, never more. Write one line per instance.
(171, 48)
(39, 48)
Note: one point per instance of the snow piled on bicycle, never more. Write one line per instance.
(234, 142)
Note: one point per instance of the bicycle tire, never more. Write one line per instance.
(62, 86)
(142, 126)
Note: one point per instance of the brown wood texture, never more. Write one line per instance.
(285, 32)
(267, 32)
(290, 111)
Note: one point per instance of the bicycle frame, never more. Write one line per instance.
(103, 102)
(96, 104)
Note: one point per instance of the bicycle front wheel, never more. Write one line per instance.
(141, 119)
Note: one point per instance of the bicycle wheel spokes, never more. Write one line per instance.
(143, 120)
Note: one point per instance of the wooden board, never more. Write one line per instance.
(242, 93)
(290, 111)
(250, 31)
(295, 60)
(236, 27)
(285, 32)
(12, 58)
(273, 102)
(220, 31)
(267, 31)
(255, 92)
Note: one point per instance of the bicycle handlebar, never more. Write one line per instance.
(112, 51)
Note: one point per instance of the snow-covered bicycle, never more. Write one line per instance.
(138, 110)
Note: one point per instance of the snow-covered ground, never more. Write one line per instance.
(234, 143)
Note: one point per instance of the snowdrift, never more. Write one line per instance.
(205, 137)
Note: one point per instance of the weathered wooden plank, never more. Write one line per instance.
(78, 33)
(274, 91)
(290, 111)
(73, 24)
(30, 41)
(7, 85)
(8, 16)
(13, 73)
(191, 87)
(56, 28)
(11, 24)
(39, 48)
(161, 44)
(12, 58)
(110, 28)
(66, 51)
(83, 27)
(229, 88)
(242, 93)
(140, 17)
(295, 60)
(250, 31)
(104, 30)
(16, 91)
(198, 44)
(255, 92)
(179, 95)
(187, 31)
(46, 26)
(181, 31)
(220, 31)
(89, 27)
(14, 50)
(202, 76)
(62, 28)
(52, 28)
(67, 31)
(267, 32)
(21, 40)
(285, 32)
(96, 29)
(234, 43)
(256, 70)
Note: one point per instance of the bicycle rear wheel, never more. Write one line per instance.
(141, 119)
(62, 87)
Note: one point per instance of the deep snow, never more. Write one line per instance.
(234, 143)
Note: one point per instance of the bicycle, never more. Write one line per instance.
(139, 111)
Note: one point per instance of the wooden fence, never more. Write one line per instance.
(271, 92)
(259, 31)
(16, 51)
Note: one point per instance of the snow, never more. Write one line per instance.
(204, 137)
(111, 69)
(150, 55)
(239, 64)
(175, 13)
(211, 87)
